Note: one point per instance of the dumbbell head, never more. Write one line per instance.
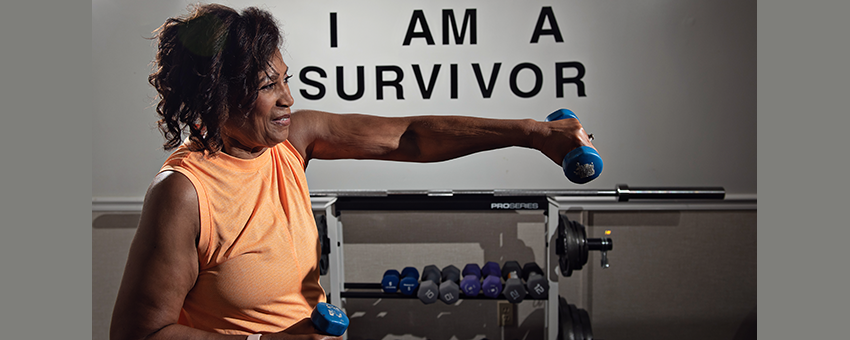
(537, 285)
(429, 288)
(449, 290)
(514, 289)
(582, 164)
(471, 283)
(492, 284)
(329, 319)
(409, 280)
(390, 281)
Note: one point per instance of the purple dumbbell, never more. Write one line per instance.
(492, 284)
(471, 283)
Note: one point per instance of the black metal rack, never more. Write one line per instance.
(474, 200)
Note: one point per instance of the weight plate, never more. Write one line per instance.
(585, 324)
(563, 244)
(565, 324)
(574, 247)
(582, 237)
(577, 326)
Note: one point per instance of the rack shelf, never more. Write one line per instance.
(373, 291)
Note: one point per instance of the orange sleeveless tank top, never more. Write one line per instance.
(258, 249)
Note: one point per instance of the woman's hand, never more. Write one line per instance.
(301, 330)
(557, 138)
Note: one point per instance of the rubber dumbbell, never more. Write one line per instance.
(409, 280)
(389, 284)
(582, 164)
(514, 289)
(329, 319)
(471, 283)
(449, 290)
(537, 285)
(492, 284)
(429, 288)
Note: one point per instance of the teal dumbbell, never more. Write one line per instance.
(582, 164)
(329, 319)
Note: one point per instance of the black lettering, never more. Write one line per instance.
(418, 16)
(310, 82)
(546, 13)
(538, 80)
(426, 90)
(333, 29)
(340, 84)
(468, 17)
(453, 87)
(381, 83)
(560, 80)
(486, 91)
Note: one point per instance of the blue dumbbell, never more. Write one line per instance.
(329, 319)
(409, 280)
(390, 281)
(471, 283)
(492, 284)
(582, 164)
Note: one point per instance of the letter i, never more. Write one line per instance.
(333, 29)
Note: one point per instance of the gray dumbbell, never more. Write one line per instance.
(514, 289)
(449, 290)
(537, 285)
(429, 288)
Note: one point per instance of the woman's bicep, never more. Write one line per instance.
(162, 265)
(325, 135)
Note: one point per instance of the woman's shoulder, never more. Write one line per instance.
(172, 188)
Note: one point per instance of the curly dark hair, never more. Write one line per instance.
(206, 68)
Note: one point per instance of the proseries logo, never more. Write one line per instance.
(514, 206)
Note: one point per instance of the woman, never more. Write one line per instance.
(227, 246)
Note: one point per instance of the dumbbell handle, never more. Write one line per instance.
(601, 244)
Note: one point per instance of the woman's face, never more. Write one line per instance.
(267, 124)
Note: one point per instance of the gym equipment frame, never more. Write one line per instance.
(481, 200)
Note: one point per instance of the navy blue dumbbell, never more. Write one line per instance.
(471, 283)
(492, 284)
(409, 280)
(582, 164)
(389, 284)
(329, 319)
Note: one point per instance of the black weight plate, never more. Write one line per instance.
(565, 321)
(569, 245)
(574, 247)
(577, 326)
(563, 242)
(583, 243)
(585, 324)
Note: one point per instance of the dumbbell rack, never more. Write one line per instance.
(472, 200)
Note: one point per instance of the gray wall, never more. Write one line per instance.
(670, 88)
(673, 275)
